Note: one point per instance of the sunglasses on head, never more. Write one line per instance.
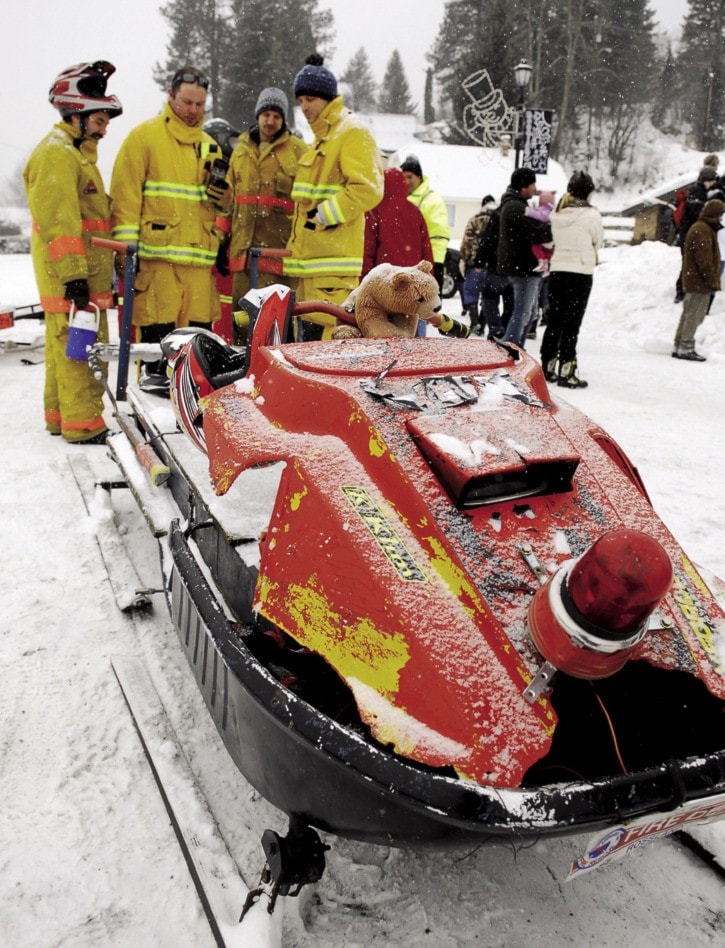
(190, 77)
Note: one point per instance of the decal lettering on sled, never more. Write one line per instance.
(384, 534)
(697, 620)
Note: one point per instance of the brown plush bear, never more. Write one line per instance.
(390, 301)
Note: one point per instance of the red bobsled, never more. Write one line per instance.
(463, 617)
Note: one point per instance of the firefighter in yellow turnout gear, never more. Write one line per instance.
(69, 205)
(261, 173)
(161, 200)
(338, 179)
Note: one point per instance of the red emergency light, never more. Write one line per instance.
(590, 616)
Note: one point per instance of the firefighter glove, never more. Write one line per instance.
(77, 292)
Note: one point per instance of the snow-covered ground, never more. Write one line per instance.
(87, 854)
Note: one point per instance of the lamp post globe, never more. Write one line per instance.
(522, 77)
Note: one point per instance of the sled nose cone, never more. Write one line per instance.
(593, 612)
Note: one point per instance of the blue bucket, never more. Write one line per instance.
(82, 333)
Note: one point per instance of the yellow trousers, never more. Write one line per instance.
(73, 398)
(332, 290)
(169, 293)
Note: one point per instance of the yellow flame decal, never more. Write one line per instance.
(357, 650)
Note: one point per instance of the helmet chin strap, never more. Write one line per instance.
(82, 128)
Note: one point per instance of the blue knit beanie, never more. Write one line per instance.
(314, 79)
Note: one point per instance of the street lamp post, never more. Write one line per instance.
(522, 77)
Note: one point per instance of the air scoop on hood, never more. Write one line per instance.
(488, 457)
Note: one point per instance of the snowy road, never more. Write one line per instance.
(87, 855)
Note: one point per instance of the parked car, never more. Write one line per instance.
(452, 277)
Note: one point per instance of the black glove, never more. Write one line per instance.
(222, 259)
(77, 292)
(221, 196)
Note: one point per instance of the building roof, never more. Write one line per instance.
(468, 172)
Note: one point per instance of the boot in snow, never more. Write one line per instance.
(551, 370)
(568, 377)
(688, 354)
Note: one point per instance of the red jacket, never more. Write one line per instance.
(395, 230)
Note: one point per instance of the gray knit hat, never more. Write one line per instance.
(272, 98)
(315, 79)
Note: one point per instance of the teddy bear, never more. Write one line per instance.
(390, 300)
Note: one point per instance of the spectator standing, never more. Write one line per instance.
(474, 275)
(261, 175)
(434, 210)
(578, 234)
(700, 278)
(339, 178)
(395, 230)
(69, 206)
(160, 198)
(496, 288)
(686, 214)
(516, 260)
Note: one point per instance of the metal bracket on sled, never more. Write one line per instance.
(293, 861)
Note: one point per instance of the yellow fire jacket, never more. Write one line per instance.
(69, 205)
(434, 210)
(158, 192)
(339, 178)
(261, 177)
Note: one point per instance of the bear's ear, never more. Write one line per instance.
(425, 266)
(399, 281)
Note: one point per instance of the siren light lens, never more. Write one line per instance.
(620, 580)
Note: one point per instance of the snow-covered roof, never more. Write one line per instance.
(468, 172)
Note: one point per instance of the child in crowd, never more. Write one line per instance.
(542, 212)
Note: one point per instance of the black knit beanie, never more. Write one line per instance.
(412, 165)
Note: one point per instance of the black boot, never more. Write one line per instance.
(568, 377)
(550, 368)
(472, 312)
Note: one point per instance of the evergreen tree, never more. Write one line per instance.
(197, 29)
(666, 94)
(359, 77)
(700, 67)
(395, 92)
(244, 46)
(591, 59)
(476, 35)
(429, 114)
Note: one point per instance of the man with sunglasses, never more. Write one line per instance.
(162, 199)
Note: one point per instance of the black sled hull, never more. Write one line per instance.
(308, 766)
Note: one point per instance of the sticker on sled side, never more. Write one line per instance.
(622, 840)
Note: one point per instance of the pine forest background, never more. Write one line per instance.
(600, 64)
(618, 85)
